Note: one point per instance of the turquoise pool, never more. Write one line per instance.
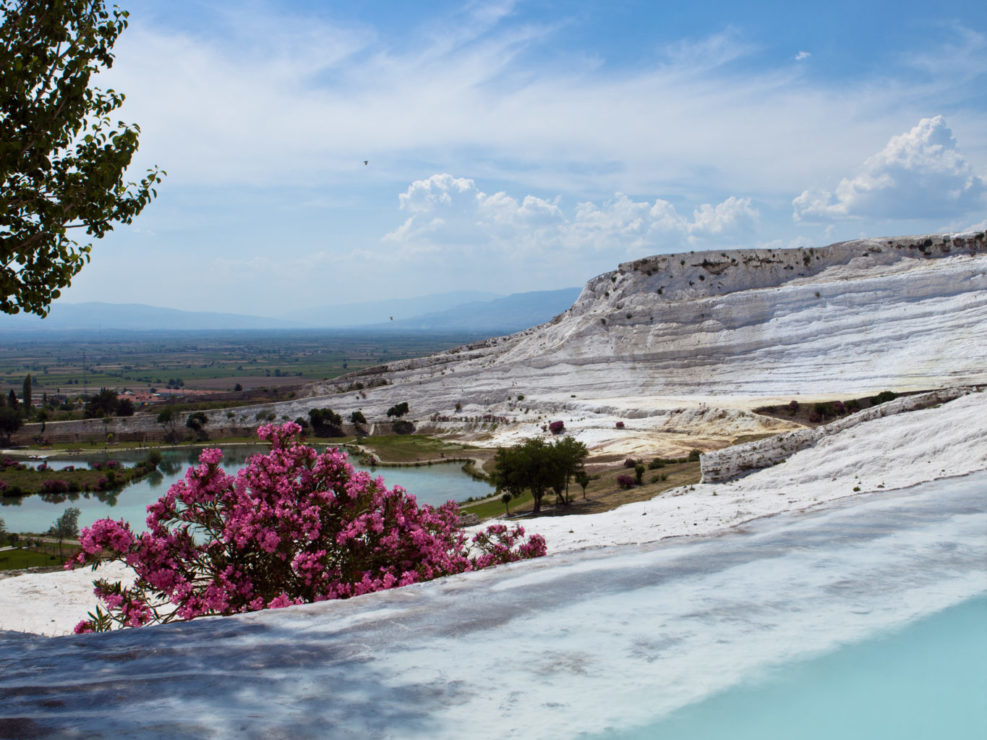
(925, 680)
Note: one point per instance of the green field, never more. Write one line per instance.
(214, 361)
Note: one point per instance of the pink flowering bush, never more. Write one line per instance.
(294, 526)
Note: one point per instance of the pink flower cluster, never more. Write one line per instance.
(292, 527)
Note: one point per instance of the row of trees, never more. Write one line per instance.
(105, 403)
(539, 467)
(327, 423)
(14, 412)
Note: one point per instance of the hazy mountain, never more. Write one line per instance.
(501, 315)
(470, 311)
(135, 317)
(375, 312)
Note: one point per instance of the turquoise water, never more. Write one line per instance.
(433, 485)
(926, 680)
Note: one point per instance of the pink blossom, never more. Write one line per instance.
(293, 526)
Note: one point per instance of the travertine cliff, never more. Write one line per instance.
(680, 347)
(869, 314)
(647, 341)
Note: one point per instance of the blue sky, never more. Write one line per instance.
(517, 146)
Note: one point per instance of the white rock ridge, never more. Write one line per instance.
(681, 346)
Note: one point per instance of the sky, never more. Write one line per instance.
(519, 146)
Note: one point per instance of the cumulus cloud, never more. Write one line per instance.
(919, 174)
(446, 210)
(802, 55)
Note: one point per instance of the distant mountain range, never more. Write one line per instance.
(448, 312)
(508, 314)
(97, 317)
(349, 315)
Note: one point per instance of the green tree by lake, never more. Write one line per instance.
(538, 466)
(66, 527)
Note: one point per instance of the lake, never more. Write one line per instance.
(434, 484)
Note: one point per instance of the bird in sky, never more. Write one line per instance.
(366, 162)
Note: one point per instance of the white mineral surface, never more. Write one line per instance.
(637, 611)
(682, 347)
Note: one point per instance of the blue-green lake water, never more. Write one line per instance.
(926, 680)
(434, 484)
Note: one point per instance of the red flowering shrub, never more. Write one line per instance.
(294, 526)
(625, 481)
(556, 427)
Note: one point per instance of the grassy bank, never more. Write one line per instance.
(34, 551)
(17, 479)
(602, 494)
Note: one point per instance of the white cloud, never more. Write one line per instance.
(919, 174)
(276, 100)
(962, 60)
(802, 55)
(453, 212)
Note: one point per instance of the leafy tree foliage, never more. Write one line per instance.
(66, 527)
(582, 479)
(326, 422)
(125, 407)
(398, 410)
(26, 394)
(10, 421)
(102, 404)
(357, 417)
(62, 161)
(538, 466)
(167, 415)
(197, 423)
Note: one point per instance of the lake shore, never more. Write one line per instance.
(878, 456)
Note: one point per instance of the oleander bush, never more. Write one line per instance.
(294, 526)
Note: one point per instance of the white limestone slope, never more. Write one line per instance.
(680, 347)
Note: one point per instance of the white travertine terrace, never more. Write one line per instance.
(857, 529)
(682, 347)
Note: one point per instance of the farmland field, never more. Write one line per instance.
(74, 365)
